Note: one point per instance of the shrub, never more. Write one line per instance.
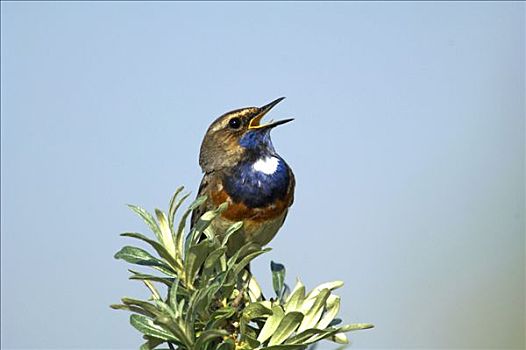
(212, 302)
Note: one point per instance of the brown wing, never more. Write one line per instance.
(292, 186)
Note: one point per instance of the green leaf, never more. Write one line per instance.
(246, 249)
(254, 290)
(219, 316)
(296, 298)
(271, 324)
(132, 308)
(165, 308)
(251, 341)
(223, 313)
(204, 221)
(252, 311)
(180, 306)
(340, 338)
(355, 327)
(159, 248)
(247, 259)
(332, 308)
(329, 285)
(155, 293)
(197, 255)
(136, 255)
(278, 277)
(166, 233)
(148, 218)
(198, 304)
(335, 322)
(151, 343)
(211, 262)
(313, 335)
(141, 276)
(150, 308)
(146, 326)
(286, 327)
(174, 205)
(139, 256)
(285, 293)
(310, 335)
(228, 285)
(207, 336)
(313, 315)
(177, 234)
(172, 294)
(230, 231)
(182, 223)
(177, 329)
(217, 282)
(256, 310)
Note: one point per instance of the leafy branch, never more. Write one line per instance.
(212, 301)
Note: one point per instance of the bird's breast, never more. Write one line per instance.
(259, 190)
(259, 183)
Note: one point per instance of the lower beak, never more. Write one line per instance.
(276, 123)
(255, 121)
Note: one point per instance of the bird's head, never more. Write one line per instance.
(237, 135)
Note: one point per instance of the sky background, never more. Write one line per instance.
(408, 149)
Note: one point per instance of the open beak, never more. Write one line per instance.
(255, 122)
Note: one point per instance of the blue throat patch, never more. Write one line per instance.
(257, 142)
(255, 188)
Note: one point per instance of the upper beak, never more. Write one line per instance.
(255, 121)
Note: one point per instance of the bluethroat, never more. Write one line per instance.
(241, 167)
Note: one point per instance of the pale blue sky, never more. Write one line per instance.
(408, 148)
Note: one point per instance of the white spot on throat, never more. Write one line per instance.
(266, 165)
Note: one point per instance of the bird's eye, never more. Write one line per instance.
(234, 123)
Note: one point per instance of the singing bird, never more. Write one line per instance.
(242, 168)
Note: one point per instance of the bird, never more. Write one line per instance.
(242, 168)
